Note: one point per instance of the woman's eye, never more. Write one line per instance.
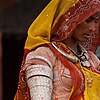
(88, 20)
(96, 20)
(92, 19)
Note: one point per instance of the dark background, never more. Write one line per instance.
(15, 19)
(15, 23)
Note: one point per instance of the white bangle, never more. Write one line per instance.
(40, 57)
(34, 70)
(39, 79)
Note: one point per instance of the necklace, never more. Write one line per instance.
(74, 58)
(82, 59)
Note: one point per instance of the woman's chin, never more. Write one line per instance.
(83, 40)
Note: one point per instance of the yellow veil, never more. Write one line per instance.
(40, 30)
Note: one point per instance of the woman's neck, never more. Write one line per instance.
(72, 44)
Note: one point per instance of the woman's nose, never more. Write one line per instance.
(92, 26)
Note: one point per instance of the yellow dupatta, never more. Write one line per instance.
(40, 30)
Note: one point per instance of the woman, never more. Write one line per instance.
(55, 66)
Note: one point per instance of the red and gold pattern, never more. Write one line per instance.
(74, 16)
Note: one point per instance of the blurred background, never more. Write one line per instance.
(15, 19)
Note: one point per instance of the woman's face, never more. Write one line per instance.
(83, 30)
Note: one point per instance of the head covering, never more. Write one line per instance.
(40, 30)
(57, 22)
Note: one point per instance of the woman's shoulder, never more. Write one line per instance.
(91, 54)
(94, 59)
(42, 52)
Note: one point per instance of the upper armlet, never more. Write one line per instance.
(41, 56)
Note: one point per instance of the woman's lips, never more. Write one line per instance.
(87, 36)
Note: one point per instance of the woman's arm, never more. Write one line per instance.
(39, 73)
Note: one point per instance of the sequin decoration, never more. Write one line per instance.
(54, 76)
